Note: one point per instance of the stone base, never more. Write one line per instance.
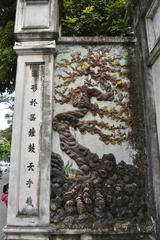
(101, 237)
(26, 233)
(26, 237)
(48, 233)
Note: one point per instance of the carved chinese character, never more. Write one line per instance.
(31, 148)
(31, 166)
(33, 102)
(31, 132)
(35, 73)
(29, 183)
(35, 70)
(34, 87)
(29, 201)
(32, 117)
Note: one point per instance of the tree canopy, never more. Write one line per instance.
(5, 148)
(7, 55)
(9, 102)
(94, 17)
(80, 18)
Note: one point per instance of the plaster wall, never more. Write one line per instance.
(144, 16)
(77, 67)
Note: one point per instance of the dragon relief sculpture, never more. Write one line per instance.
(103, 191)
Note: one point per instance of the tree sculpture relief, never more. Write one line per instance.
(91, 98)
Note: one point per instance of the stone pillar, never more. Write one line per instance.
(29, 186)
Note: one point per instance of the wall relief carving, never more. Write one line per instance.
(90, 187)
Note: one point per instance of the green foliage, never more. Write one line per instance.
(9, 101)
(94, 17)
(7, 55)
(82, 18)
(68, 167)
(7, 11)
(7, 59)
(5, 148)
(7, 133)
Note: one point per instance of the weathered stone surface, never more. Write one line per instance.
(144, 17)
(101, 201)
(31, 26)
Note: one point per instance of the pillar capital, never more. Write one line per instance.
(37, 20)
(35, 48)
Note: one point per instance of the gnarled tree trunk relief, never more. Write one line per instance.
(92, 98)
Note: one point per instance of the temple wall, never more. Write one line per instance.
(83, 167)
(98, 142)
(144, 17)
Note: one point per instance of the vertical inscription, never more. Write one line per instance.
(31, 140)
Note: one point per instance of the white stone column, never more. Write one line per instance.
(29, 186)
